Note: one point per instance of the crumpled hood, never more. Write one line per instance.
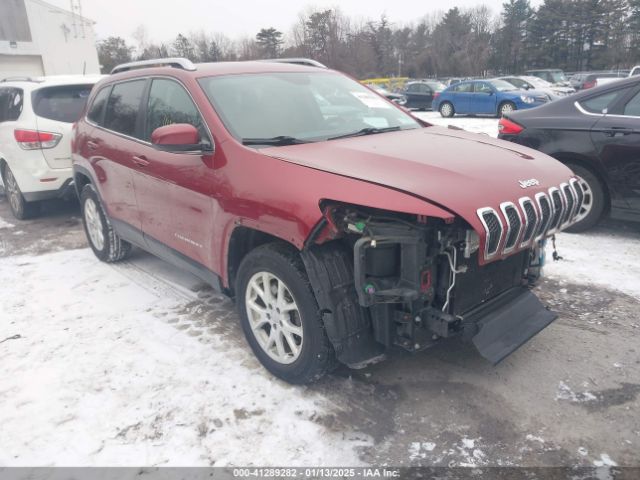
(457, 170)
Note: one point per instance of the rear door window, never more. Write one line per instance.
(170, 103)
(598, 103)
(463, 87)
(123, 107)
(11, 102)
(61, 103)
(96, 111)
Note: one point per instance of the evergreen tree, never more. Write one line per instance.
(183, 47)
(270, 42)
(113, 51)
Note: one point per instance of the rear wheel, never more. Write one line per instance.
(103, 240)
(20, 208)
(447, 110)
(280, 316)
(506, 108)
(594, 202)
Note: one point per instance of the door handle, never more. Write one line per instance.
(614, 131)
(92, 145)
(140, 161)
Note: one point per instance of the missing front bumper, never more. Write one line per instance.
(508, 322)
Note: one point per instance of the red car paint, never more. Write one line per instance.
(193, 203)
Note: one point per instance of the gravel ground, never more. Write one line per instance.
(158, 373)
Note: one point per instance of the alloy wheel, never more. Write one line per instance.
(94, 225)
(446, 110)
(13, 191)
(274, 317)
(587, 202)
(506, 108)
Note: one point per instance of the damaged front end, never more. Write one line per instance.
(388, 279)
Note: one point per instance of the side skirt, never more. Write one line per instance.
(166, 253)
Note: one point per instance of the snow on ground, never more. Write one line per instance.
(5, 224)
(95, 373)
(607, 259)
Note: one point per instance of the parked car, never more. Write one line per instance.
(398, 98)
(554, 76)
(486, 97)
(635, 71)
(596, 133)
(420, 94)
(535, 83)
(338, 238)
(36, 115)
(577, 79)
(595, 79)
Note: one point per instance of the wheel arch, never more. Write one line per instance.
(81, 178)
(243, 240)
(568, 157)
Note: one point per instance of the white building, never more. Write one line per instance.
(37, 38)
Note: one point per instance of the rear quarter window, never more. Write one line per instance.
(11, 102)
(61, 103)
(96, 110)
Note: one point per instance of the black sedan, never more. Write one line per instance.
(420, 94)
(596, 133)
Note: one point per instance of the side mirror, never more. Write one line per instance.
(179, 137)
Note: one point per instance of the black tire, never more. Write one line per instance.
(447, 113)
(20, 208)
(316, 356)
(113, 248)
(505, 108)
(598, 199)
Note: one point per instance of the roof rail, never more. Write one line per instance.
(22, 79)
(174, 62)
(298, 61)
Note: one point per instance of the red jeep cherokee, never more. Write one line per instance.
(342, 225)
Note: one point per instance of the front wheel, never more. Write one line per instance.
(103, 240)
(506, 108)
(447, 110)
(280, 316)
(594, 202)
(20, 208)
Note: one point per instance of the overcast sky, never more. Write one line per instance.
(164, 19)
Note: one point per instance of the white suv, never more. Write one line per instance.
(36, 118)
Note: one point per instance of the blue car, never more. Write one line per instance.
(486, 97)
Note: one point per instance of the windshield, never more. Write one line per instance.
(306, 107)
(557, 76)
(502, 86)
(538, 82)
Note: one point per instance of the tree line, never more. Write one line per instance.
(573, 35)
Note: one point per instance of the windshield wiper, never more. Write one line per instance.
(365, 131)
(278, 141)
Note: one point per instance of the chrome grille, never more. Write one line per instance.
(530, 219)
(493, 228)
(514, 225)
(579, 194)
(556, 208)
(570, 202)
(545, 214)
